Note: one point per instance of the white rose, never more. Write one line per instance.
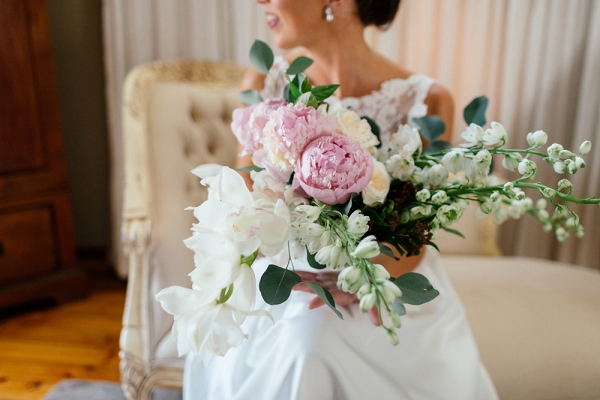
(379, 186)
(357, 128)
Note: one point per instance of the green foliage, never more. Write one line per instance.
(276, 284)
(308, 99)
(453, 231)
(374, 128)
(261, 57)
(299, 65)
(398, 307)
(387, 251)
(325, 296)
(312, 262)
(250, 169)
(474, 112)
(416, 288)
(430, 126)
(437, 146)
(323, 92)
(249, 97)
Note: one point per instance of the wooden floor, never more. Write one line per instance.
(40, 346)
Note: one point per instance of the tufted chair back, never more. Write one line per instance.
(176, 116)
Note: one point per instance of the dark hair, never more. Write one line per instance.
(380, 13)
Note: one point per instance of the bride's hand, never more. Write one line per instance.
(329, 280)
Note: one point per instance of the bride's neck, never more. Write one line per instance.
(342, 58)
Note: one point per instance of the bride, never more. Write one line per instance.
(310, 354)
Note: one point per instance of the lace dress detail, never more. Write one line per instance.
(396, 102)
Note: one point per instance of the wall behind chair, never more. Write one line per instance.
(76, 30)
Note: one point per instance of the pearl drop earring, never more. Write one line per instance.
(329, 14)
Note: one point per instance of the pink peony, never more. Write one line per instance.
(248, 123)
(289, 129)
(333, 167)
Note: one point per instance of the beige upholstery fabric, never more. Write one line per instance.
(176, 117)
(536, 322)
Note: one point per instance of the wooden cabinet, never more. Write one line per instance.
(37, 251)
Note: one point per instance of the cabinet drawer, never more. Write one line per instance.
(27, 244)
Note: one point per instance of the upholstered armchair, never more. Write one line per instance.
(176, 116)
(536, 322)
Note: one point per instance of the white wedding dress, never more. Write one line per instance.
(313, 355)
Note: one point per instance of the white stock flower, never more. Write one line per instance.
(401, 165)
(511, 161)
(480, 165)
(376, 191)
(406, 139)
(559, 167)
(585, 148)
(357, 128)
(435, 175)
(449, 213)
(367, 248)
(350, 279)
(564, 154)
(554, 151)
(389, 291)
(519, 207)
(527, 168)
(367, 302)
(473, 135)
(358, 224)
(421, 211)
(454, 161)
(423, 195)
(579, 233)
(499, 216)
(333, 256)
(439, 197)
(579, 162)
(561, 234)
(565, 184)
(496, 134)
(537, 139)
(379, 272)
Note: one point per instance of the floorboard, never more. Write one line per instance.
(41, 345)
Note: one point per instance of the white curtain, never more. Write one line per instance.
(537, 60)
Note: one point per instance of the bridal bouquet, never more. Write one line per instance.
(327, 187)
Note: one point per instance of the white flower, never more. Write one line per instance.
(537, 139)
(527, 168)
(579, 162)
(333, 256)
(541, 204)
(585, 148)
(379, 272)
(496, 134)
(392, 336)
(449, 213)
(401, 165)
(511, 161)
(579, 233)
(204, 326)
(406, 139)
(311, 213)
(423, 195)
(548, 192)
(421, 211)
(571, 166)
(367, 302)
(350, 279)
(554, 151)
(439, 197)
(435, 175)
(358, 224)
(560, 167)
(480, 166)
(389, 291)
(454, 161)
(486, 206)
(543, 215)
(378, 187)
(561, 234)
(357, 128)
(565, 184)
(518, 207)
(564, 154)
(499, 216)
(473, 135)
(266, 186)
(495, 196)
(367, 248)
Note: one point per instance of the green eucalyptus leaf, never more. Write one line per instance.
(434, 246)
(276, 284)
(294, 89)
(299, 65)
(308, 99)
(250, 169)
(387, 251)
(249, 97)
(374, 128)
(398, 307)
(325, 296)
(287, 94)
(416, 288)
(324, 92)
(312, 262)
(374, 216)
(261, 57)
(474, 113)
(306, 86)
(437, 146)
(453, 231)
(431, 127)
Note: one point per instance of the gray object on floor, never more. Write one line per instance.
(79, 389)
